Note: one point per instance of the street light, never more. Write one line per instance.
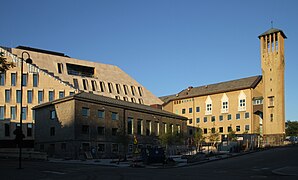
(21, 135)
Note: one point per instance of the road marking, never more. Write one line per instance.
(54, 172)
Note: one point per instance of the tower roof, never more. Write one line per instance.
(271, 31)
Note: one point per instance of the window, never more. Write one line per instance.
(13, 79)
(76, 83)
(60, 68)
(101, 148)
(270, 101)
(117, 97)
(140, 127)
(157, 128)
(94, 85)
(141, 101)
(52, 131)
(130, 125)
(35, 80)
(190, 121)
(101, 114)
(246, 127)
(258, 101)
(33, 114)
(198, 120)
(237, 116)
(7, 95)
(212, 130)
(205, 119)
(197, 109)
(140, 91)
(125, 89)
(29, 96)
(205, 131)
(79, 70)
(271, 117)
(125, 98)
(18, 96)
(209, 107)
(25, 79)
(61, 94)
(71, 93)
(40, 97)
(51, 95)
(148, 128)
(220, 118)
(100, 131)
(2, 112)
(114, 131)
(246, 115)
(242, 103)
(220, 129)
(29, 129)
(24, 113)
(229, 117)
(183, 111)
(229, 129)
(237, 128)
(7, 130)
(85, 84)
(225, 107)
(133, 100)
(53, 114)
(2, 79)
(190, 110)
(118, 88)
(115, 148)
(115, 116)
(110, 86)
(133, 90)
(213, 119)
(178, 129)
(13, 112)
(85, 111)
(102, 86)
(165, 127)
(85, 129)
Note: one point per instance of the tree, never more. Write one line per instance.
(232, 136)
(292, 128)
(4, 65)
(198, 138)
(170, 139)
(213, 137)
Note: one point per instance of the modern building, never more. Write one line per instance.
(253, 105)
(53, 75)
(85, 122)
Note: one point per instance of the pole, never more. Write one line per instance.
(21, 120)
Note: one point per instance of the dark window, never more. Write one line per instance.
(190, 121)
(114, 131)
(101, 148)
(205, 131)
(18, 96)
(7, 95)
(190, 110)
(110, 86)
(133, 91)
(40, 97)
(29, 129)
(52, 131)
(13, 79)
(205, 119)
(130, 125)
(52, 114)
(140, 127)
(229, 129)
(229, 116)
(190, 132)
(85, 84)
(85, 129)
(118, 88)
(115, 116)
(94, 85)
(220, 118)
(133, 100)
(213, 119)
(125, 89)
(237, 128)
(237, 116)
(60, 67)
(24, 113)
(140, 91)
(85, 111)
(212, 130)
(29, 96)
(197, 109)
(13, 112)
(2, 79)
(100, 130)
(51, 95)
(246, 115)
(76, 83)
(141, 101)
(221, 129)
(246, 127)
(102, 86)
(79, 70)
(2, 112)
(198, 120)
(35, 80)
(101, 113)
(183, 111)
(7, 130)
(61, 94)
(25, 79)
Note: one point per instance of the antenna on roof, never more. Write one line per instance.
(271, 24)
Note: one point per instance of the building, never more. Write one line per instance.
(252, 105)
(85, 122)
(53, 75)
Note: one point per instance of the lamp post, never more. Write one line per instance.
(21, 136)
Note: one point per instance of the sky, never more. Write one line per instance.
(166, 45)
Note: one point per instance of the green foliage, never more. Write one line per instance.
(198, 137)
(292, 128)
(232, 136)
(4, 65)
(169, 139)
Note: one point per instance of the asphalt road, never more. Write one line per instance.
(277, 163)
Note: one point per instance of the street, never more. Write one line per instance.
(276, 163)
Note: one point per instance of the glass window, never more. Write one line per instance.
(246, 115)
(24, 113)
(7, 95)
(130, 125)
(133, 90)
(51, 95)
(61, 94)
(246, 127)
(29, 96)
(212, 130)
(220, 118)
(94, 85)
(25, 79)
(205, 119)
(101, 113)
(29, 129)
(183, 111)
(220, 129)
(100, 130)
(71, 93)
(229, 129)
(35, 80)
(237, 128)
(13, 79)
(198, 120)
(2, 112)
(13, 113)
(40, 97)
(76, 83)
(85, 111)
(110, 86)
(205, 131)
(190, 110)
(2, 79)
(60, 67)
(140, 91)
(115, 116)
(213, 119)
(118, 88)
(52, 114)
(140, 127)
(238, 116)
(85, 84)
(18, 96)
(229, 117)
(102, 86)
(190, 121)
(197, 109)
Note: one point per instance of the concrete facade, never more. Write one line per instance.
(77, 124)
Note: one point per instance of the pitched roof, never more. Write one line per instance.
(93, 98)
(271, 31)
(239, 84)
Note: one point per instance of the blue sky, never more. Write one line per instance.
(166, 45)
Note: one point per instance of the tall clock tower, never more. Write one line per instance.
(273, 68)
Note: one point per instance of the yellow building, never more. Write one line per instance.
(253, 105)
(53, 75)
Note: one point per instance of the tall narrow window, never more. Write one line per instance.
(18, 94)
(29, 129)
(7, 95)
(53, 114)
(25, 79)
(242, 101)
(40, 97)
(102, 86)
(133, 100)
(110, 86)
(76, 83)
(141, 101)
(133, 90)
(148, 128)
(13, 113)
(2, 112)
(271, 101)
(61, 94)
(125, 89)
(35, 80)
(60, 68)
(140, 127)
(24, 113)
(2, 79)
(13, 79)
(52, 131)
(94, 85)
(208, 103)
(118, 88)
(51, 95)
(29, 96)
(140, 91)
(157, 128)
(85, 84)
(130, 125)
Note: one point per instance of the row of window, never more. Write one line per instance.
(220, 118)
(7, 129)
(13, 79)
(229, 129)
(13, 113)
